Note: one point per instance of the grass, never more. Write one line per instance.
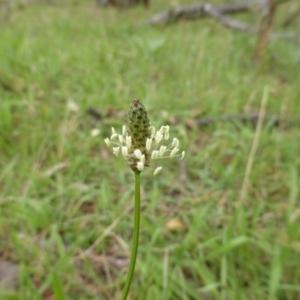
(66, 203)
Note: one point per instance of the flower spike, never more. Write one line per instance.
(140, 142)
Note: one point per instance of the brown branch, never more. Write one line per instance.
(264, 30)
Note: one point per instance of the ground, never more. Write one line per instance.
(221, 224)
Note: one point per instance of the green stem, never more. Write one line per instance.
(136, 232)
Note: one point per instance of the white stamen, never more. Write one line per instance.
(155, 154)
(124, 130)
(152, 128)
(140, 166)
(107, 142)
(113, 137)
(142, 158)
(113, 131)
(164, 129)
(162, 150)
(116, 151)
(175, 143)
(166, 136)
(148, 144)
(182, 154)
(128, 141)
(157, 171)
(158, 137)
(174, 151)
(121, 139)
(125, 152)
(137, 153)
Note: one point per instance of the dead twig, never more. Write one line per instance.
(122, 3)
(220, 14)
(244, 119)
(217, 14)
(194, 12)
(262, 112)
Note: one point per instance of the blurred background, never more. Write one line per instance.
(221, 224)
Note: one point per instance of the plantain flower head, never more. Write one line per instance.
(140, 143)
